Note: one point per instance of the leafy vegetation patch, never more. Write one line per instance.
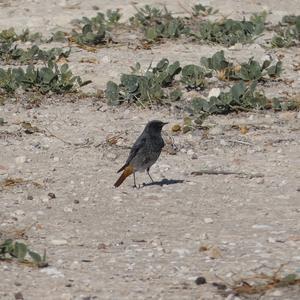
(54, 78)
(10, 249)
(239, 97)
(9, 53)
(146, 88)
(157, 23)
(229, 32)
(247, 71)
(9, 36)
(94, 31)
(287, 32)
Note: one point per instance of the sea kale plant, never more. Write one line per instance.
(144, 89)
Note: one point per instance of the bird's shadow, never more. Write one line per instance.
(163, 182)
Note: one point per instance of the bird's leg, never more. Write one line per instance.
(149, 174)
(134, 182)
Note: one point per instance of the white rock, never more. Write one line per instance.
(261, 226)
(190, 152)
(19, 212)
(53, 272)
(214, 92)
(59, 242)
(276, 293)
(68, 209)
(20, 159)
(271, 240)
(208, 220)
(55, 158)
(181, 252)
(105, 59)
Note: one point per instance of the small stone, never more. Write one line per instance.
(215, 253)
(29, 197)
(176, 128)
(55, 158)
(76, 201)
(68, 209)
(102, 246)
(20, 212)
(271, 240)
(66, 296)
(59, 242)
(194, 156)
(200, 280)
(190, 152)
(260, 181)
(214, 92)
(287, 115)
(261, 226)
(19, 296)
(20, 159)
(217, 130)
(111, 155)
(53, 272)
(208, 220)
(276, 293)
(51, 195)
(105, 59)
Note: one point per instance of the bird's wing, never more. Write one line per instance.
(140, 142)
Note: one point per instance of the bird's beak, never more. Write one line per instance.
(165, 123)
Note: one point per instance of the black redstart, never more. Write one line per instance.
(144, 153)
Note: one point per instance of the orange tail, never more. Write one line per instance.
(127, 171)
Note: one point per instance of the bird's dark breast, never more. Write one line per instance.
(147, 156)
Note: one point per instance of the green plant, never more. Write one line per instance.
(146, 88)
(240, 97)
(49, 78)
(288, 32)
(9, 52)
(228, 31)
(157, 23)
(193, 76)
(250, 70)
(203, 10)
(10, 249)
(9, 36)
(94, 31)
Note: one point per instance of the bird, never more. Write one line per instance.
(144, 152)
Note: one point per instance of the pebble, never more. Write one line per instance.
(20, 159)
(181, 252)
(261, 226)
(260, 181)
(200, 280)
(208, 220)
(271, 240)
(53, 272)
(217, 130)
(68, 209)
(55, 158)
(59, 242)
(19, 212)
(214, 92)
(276, 293)
(111, 155)
(215, 253)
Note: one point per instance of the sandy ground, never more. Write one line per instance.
(106, 243)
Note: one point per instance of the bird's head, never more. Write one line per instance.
(155, 126)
